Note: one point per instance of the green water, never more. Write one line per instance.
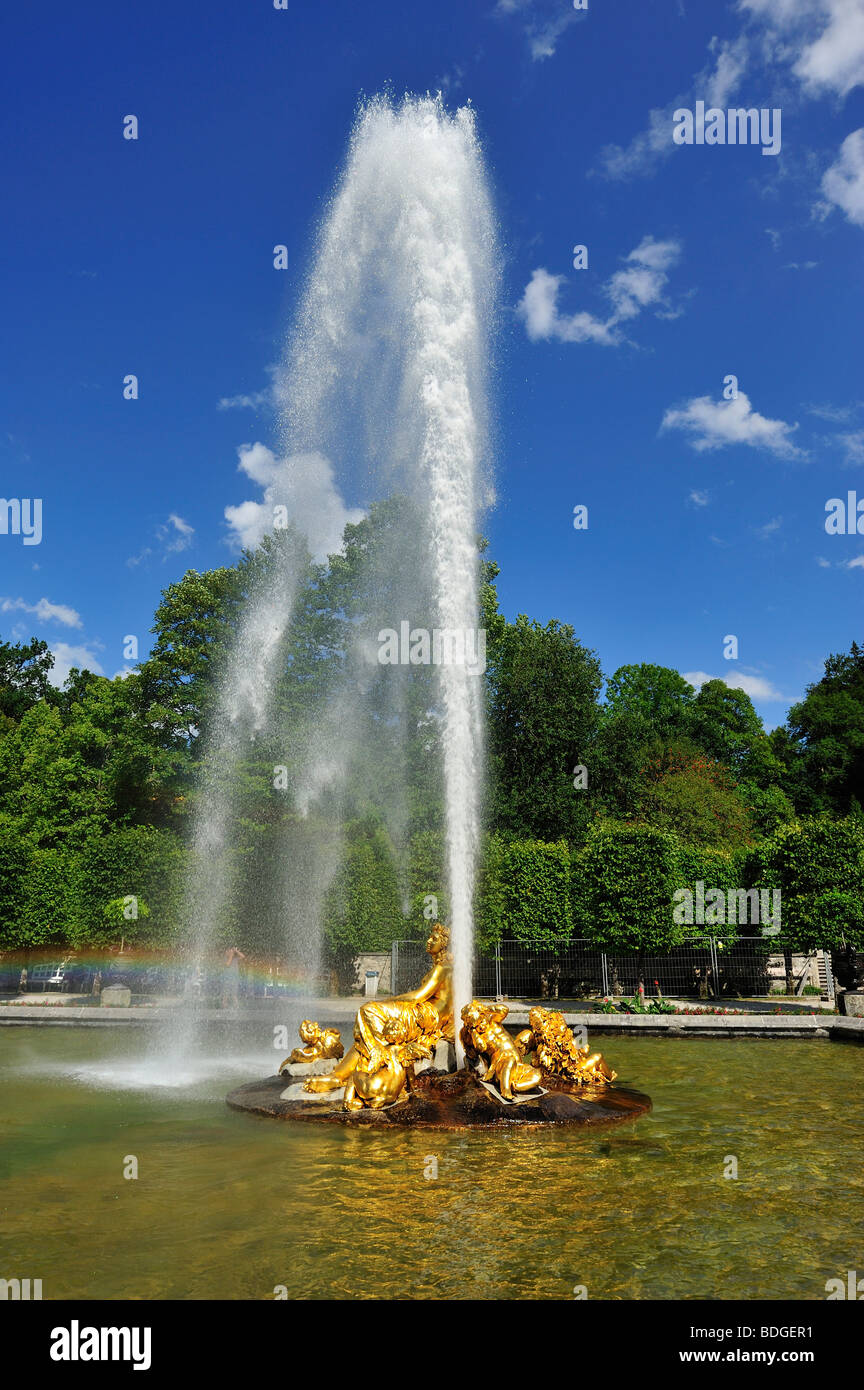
(229, 1206)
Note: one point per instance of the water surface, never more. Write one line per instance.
(231, 1206)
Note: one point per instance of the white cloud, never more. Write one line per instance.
(770, 527)
(843, 183)
(544, 21)
(856, 564)
(732, 58)
(305, 485)
(714, 84)
(643, 280)
(853, 446)
(270, 398)
(639, 285)
(253, 401)
(823, 40)
(173, 535)
(837, 414)
(757, 687)
(65, 657)
(820, 42)
(44, 610)
(699, 499)
(176, 534)
(539, 309)
(715, 424)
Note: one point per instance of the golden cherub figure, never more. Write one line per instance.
(391, 1040)
(388, 1032)
(483, 1035)
(550, 1044)
(320, 1044)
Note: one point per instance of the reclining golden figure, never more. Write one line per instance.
(391, 1034)
(483, 1036)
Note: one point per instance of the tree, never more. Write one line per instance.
(818, 865)
(524, 893)
(194, 624)
(695, 796)
(657, 696)
(825, 750)
(723, 723)
(647, 708)
(543, 713)
(624, 879)
(363, 910)
(24, 678)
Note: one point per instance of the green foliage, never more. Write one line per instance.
(824, 748)
(362, 911)
(694, 796)
(543, 688)
(657, 696)
(624, 880)
(24, 677)
(43, 916)
(524, 893)
(768, 807)
(818, 865)
(491, 898)
(99, 782)
(427, 874)
(130, 862)
(638, 1005)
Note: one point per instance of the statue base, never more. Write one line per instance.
(454, 1100)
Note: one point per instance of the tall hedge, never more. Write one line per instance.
(623, 884)
(363, 907)
(717, 869)
(818, 865)
(525, 893)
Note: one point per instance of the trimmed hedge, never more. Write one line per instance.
(818, 865)
(623, 885)
(524, 893)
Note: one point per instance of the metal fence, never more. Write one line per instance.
(698, 968)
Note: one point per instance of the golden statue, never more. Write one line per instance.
(393, 1037)
(549, 1043)
(484, 1036)
(390, 1035)
(437, 987)
(320, 1043)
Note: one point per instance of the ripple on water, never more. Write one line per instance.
(229, 1206)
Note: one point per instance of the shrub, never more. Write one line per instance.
(624, 880)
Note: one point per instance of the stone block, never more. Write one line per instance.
(116, 997)
(296, 1092)
(300, 1070)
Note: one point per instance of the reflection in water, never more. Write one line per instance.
(229, 1206)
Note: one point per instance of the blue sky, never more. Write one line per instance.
(154, 257)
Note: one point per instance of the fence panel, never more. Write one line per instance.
(698, 968)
